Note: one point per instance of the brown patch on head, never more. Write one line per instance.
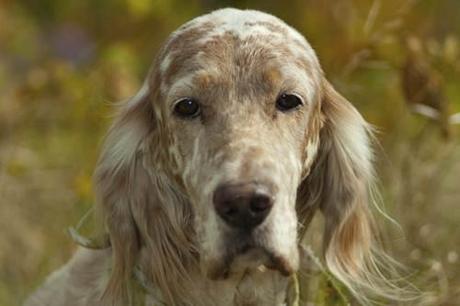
(203, 80)
(271, 76)
(274, 28)
(247, 167)
(188, 36)
(182, 47)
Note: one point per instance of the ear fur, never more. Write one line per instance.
(339, 184)
(348, 175)
(142, 208)
(120, 181)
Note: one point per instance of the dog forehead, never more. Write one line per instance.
(229, 40)
(243, 25)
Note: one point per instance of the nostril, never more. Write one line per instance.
(260, 203)
(229, 210)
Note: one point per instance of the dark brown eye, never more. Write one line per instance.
(287, 102)
(187, 108)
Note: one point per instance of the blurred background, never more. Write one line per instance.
(64, 63)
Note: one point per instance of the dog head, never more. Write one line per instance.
(221, 159)
(240, 97)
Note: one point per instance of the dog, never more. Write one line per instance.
(212, 172)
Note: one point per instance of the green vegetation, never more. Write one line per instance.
(64, 63)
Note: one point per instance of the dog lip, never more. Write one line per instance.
(281, 264)
(216, 275)
(223, 270)
(220, 271)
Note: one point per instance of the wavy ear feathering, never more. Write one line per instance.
(117, 168)
(340, 185)
(131, 189)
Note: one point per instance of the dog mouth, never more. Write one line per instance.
(249, 258)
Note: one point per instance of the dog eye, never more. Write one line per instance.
(287, 102)
(187, 108)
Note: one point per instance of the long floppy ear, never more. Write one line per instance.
(120, 183)
(339, 184)
(143, 210)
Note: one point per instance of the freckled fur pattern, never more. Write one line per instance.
(156, 174)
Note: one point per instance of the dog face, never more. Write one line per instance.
(238, 94)
(222, 158)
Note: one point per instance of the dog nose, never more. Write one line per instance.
(243, 206)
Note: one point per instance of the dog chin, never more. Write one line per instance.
(250, 260)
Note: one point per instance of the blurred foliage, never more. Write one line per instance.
(63, 63)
